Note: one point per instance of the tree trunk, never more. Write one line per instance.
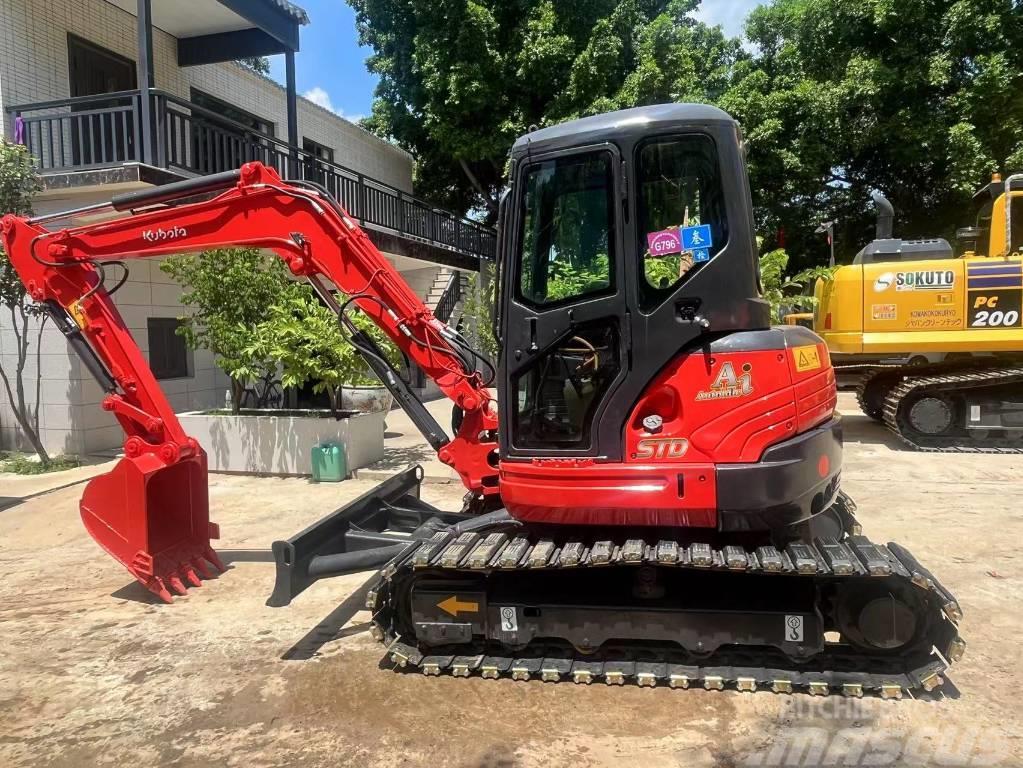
(488, 201)
(27, 418)
(237, 390)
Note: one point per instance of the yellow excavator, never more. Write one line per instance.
(938, 332)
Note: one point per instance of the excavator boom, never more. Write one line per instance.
(151, 512)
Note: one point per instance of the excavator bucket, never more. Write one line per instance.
(153, 517)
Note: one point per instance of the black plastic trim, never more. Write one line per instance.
(785, 487)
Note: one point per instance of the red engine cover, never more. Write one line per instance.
(703, 410)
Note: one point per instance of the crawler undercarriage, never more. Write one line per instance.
(957, 406)
(489, 596)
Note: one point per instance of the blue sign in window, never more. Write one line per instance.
(697, 238)
(701, 254)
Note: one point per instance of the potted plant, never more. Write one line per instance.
(306, 340)
(228, 292)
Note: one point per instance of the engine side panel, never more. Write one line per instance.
(723, 405)
(939, 305)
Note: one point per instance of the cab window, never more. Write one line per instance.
(566, 240)
(681, 209)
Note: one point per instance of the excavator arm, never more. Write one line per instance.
(151, 511)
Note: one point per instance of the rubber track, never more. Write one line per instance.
(896, 421)
(868, 373)
(477, 553)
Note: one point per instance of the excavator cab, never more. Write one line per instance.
(625, 237)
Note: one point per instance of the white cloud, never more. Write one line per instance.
(320, 97)
(730, 14)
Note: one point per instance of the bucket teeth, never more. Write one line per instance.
(200, 565)
(931, 681)
(747, 684)
(614, 678)
(891, 691)
(176, 584)
(191, 576)
(210, 555)
(714, 683)
(956, 649)
(646, 679)
(781, 686)
(678, 681)
(158, 588)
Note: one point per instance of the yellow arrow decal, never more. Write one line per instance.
(454, 606)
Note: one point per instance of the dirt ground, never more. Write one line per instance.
(93, 672)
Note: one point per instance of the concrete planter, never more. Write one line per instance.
(279, 442)
(366, 399)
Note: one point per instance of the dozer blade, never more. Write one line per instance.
(154, 519)
(363, 535)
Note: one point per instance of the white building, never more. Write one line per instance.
(112, 95)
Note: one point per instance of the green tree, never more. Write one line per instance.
(305, 339)
(916, 98)
(18, 185)
(477, 319)
(258, 64)
(461, 79)
(229, 293)
(789, 292)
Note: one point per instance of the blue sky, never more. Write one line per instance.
(331, 67)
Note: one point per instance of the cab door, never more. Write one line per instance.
(565, 330)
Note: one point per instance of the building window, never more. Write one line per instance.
(93, 69)
(225, 136)
(99, 133)
(314, 153)
(233, 113)
(168, 354)
(318, 150)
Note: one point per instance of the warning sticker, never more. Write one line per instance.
(884, 311)
(807, 358)
(794, 629)
(509, 620)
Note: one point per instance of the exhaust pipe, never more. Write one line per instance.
(885, 216)
(1008, 211)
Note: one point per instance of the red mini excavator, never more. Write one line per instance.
(653, 497)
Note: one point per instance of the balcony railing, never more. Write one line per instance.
(105, 131)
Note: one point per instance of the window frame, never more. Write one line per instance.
(651, 297)
(614, 224)
(263, 127)
(315, 148)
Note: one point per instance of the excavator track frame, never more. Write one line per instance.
(464, 558)
(900, 397)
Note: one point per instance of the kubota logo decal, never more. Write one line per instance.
(727, 384)
(662, 448)
(161, 234)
